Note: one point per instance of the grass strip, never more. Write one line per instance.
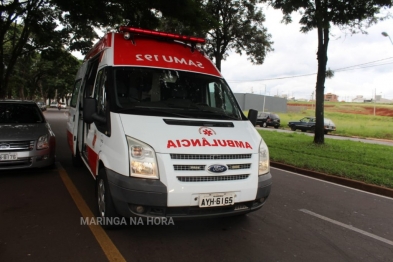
(369, 163)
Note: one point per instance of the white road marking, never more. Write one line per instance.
(328, 182)
(350, 227)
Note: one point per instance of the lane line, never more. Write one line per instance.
(350, 227)
(110, 250)
(331, 183)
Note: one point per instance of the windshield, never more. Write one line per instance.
(11, 113)
(173, 93)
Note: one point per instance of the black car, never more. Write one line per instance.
(265, 119)
(308, 124)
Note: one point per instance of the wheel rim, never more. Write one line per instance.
(101, 197)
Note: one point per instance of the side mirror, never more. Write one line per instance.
(252, 116)
(89, 112)
(89, 109)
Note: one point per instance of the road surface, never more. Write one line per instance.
(303, 220)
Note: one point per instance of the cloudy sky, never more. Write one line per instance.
(294, 55)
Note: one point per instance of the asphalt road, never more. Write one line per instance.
(303, 220)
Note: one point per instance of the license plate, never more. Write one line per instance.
(216, 199)
(7, 157)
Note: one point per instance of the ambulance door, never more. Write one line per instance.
(97, 129)
(73, 112)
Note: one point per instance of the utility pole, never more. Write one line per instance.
(375, 97)
(264, 100)
(312, 100)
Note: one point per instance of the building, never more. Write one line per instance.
(254, 101)
(331, 97)
(358, 99)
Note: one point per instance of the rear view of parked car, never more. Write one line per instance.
(26, 139)
(308, 124)
(266, 119)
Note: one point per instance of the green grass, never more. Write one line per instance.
(349, 124)
(368, 163)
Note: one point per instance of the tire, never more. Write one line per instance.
(77, 159)
(293, 128)
(276, 127)
(264, 125)
(105, 207)
(326, 132)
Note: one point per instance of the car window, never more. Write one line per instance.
(162, 92)
(75, 93)
(20, 114)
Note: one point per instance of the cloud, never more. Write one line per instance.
(295, 55)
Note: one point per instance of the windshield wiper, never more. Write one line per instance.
(213, 110)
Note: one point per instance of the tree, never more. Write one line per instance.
(26, 27)
(354, 15)
(38, 25)
(238, 26)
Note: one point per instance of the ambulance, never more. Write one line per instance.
(161, 132)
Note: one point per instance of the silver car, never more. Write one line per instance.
(26, 139)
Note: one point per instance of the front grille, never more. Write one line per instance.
(211, 178)
(16, 145)
(189, 167)
(209, 157)
(239, 166)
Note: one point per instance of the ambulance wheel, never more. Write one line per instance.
(77, 159)
(106, 208)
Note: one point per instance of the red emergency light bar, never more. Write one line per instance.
(184, 38)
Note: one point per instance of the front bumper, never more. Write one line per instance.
(132, 194)
(30, 159)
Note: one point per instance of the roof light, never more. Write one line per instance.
(127, 35)
(189, 39)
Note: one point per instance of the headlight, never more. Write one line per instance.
(43, 142)
(143, 161)
(264, 162)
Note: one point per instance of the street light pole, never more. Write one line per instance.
(386, 35)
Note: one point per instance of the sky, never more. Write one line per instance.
(295, 55)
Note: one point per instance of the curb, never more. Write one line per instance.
(384, 191)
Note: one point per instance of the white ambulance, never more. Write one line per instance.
(161, 132)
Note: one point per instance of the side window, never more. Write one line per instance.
(75, 93)
(99, 92)
(227, 103)
(212, 101)
(215, 95)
